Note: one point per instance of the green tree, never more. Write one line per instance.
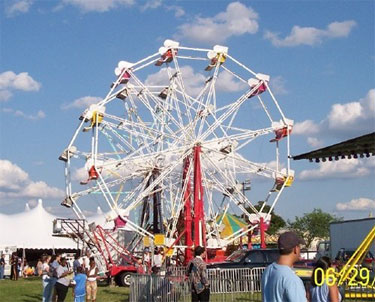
(313, 225)
(277, 222)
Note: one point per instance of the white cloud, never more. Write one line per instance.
(358, 114)
(314, 142)
(360, 204)
(40, 114)
(306, 127)
(311, 35)
(194, 81)
(18, 113)
(16, 184)
(21, 81)
(18, 7)
(237, 20)
(227, 82)
(10, 81)
(80, 174)
(82, 102)
(278, 85)
(5, 95)
(178, 10)
(344, 168)
(151, 4)
(345, 120)
(98, 5)
(11, 176)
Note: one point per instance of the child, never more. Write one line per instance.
(79, 287)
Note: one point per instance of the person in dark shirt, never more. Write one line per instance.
(14, 267)
(76, 264)
(2, 266)
(197, 273)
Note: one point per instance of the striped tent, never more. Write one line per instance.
(231, 224)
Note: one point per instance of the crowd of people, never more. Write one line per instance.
(58, 277)
(279, 281)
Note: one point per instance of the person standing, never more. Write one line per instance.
(147, 260)
(14, 267)
(91, 285)
(158, 259)
(2, 266)
(197, 273)
(53, 265)
(63, 282)
(86, 261)
(323, 292)
(39, 267)
(139, 266)
(76, 264)
(279, 282)
(79, 288)
(48, 286)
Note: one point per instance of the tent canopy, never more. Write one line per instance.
(31, 229)
(231, 224)
(360, 146)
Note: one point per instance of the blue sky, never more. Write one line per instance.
(57, 56)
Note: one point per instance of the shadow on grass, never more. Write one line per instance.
(31, 298)
(110, 292)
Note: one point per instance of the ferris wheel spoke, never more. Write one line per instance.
(153, 130)
(247, 166)
(236, 196)
(229, 112)
(157, 103)
(185, 99)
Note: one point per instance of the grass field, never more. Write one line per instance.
(30, 290)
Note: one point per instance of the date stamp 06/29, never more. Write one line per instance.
(358, 277)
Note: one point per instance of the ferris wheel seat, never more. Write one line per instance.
(281, 133)
(164, 93)
(67, 153)
(93, 174)
(262, 88)
(168, 43)
(68, 201)
(281, 129)
(164, 59)
(124, 81)
(122, 95)
(119, 222)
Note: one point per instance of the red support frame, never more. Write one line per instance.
(262, 233)
(199, 222)
(187, 212)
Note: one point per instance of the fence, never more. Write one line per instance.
(235, 280)
(358, 293)
(226, 285)
(149, 288)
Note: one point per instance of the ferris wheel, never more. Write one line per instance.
(176, 141)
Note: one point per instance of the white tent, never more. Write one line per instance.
(31, 229)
